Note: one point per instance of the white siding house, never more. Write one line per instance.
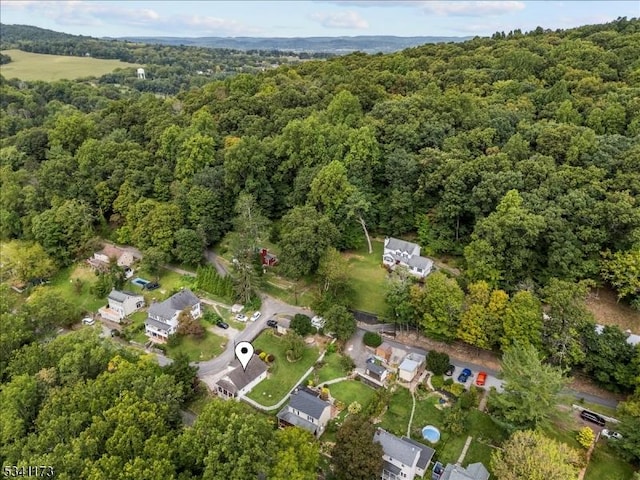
(403, 458)
(121, 305)
(407, 254)
(306, 410)
(238, 382)
(163, 316)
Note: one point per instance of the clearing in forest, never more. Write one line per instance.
(37, 66)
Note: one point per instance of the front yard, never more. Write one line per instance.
(283, 375)
(199, 349)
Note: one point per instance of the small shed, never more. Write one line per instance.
(411, 366)
(384, 351)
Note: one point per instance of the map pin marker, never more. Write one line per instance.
(244, 352)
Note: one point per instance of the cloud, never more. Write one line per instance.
(347, 19)
(77, 13)
(440, 8)
(472, 9)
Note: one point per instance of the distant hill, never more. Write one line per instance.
(365, 43)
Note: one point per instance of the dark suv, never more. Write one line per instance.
(151, 286)
(592, 417)
(272, 323)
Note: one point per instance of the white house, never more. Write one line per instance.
(163, 316)
(306, 410)
(121, 305)
(403, 458)
(411, 366)
(238, 382)
(400, 252)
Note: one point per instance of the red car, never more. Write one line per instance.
(482, 377)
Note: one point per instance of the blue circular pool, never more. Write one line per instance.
(431, 433)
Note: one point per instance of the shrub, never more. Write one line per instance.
(437, 362)
(468, 400)
(301, 324)
(161, 347)
(324, 393)
(347, 363)
(455, 389)
(372, 339)
(437, 382)
(258, 351)
(585, 437)
(174, 340)
(354, 408)
(271, 358)
(262, 355)
(448, 381)
(331, 348)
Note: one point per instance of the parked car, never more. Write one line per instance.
(222, 324)
(450, 370)
(241, 317)
(371, 360)
(592, 417)
(272, 323)
(610, 434)
(482, 378)
(151, 286)
(256, 316)
(318, 322)
(88, 321)
(115, 332)
(464, 375)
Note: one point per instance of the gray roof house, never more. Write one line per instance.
(474, 471)
(400, 252)
(121, 304)
(163, 316)
(377, 373)
(239, 381)
(404, 459)
(305, 410)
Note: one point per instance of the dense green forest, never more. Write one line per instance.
(516, 155)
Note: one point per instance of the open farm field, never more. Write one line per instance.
(36, 66)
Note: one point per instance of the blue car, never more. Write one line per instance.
(464, 375)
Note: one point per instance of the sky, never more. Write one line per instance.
(298, 18)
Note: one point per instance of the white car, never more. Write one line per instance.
(241, 318)
(610, 434)
(318, 322)
(256, 316)
(88, 321)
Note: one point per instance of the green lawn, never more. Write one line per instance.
(351, 391)
(205, 348)
(367, 277)
(331, 369)
(63, 283)
(605, 464)
(283, 375)
(479, 425)
(36, 66)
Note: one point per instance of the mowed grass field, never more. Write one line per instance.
(36, 66)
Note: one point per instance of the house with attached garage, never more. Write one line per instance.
(306, 410)
(162, 319)
(240, 381)
(403, 458)
(407, 254)
(121, 304)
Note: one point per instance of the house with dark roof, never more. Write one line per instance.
(240, 381)
(407, 254)
(120, 305)
(163, 316)
(403, 458)
(305, 410)
(474, 471)
(376, 372)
